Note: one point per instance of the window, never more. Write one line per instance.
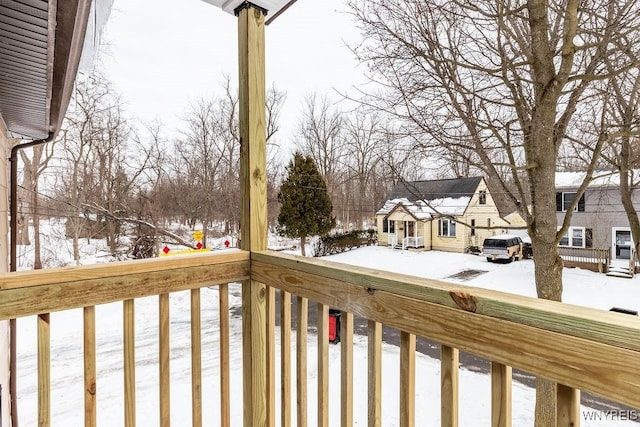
(577, 237)
(388, 226)
(482, 197)
(473, 227)
(564, 199)
(446, 228)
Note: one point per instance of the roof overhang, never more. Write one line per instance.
(273, 8)
(40, 46)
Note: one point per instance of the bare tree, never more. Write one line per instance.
(76, 139)
(208, 156)
(33, 169)
(502, 81)
(102, 163)
(362, 136)
(320, 135)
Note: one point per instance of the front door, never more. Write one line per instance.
(621, 243)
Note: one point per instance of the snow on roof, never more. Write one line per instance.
(600, 178)
(421, 210)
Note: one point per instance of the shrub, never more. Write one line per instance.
(341, 242)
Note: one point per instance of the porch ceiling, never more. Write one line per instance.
(24, 65)
(40, 46)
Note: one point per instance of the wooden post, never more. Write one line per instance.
(253, 222)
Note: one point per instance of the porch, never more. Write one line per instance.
(582, 349)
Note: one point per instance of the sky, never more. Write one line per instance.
(164, 54)
(581, 287)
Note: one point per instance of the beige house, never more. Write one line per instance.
(446, 215)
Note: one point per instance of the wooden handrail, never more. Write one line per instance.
(580, 347)
(44, 291)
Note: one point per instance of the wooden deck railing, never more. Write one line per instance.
(596, 259)
(580, 348)
(38, 293)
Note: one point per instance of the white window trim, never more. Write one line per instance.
(569, 236)
(575, 208)
(449, 221)
(388, 222)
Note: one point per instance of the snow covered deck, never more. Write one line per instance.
(579, 347)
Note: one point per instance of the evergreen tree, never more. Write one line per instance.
(305, 204)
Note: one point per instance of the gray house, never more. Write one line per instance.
(598, 219)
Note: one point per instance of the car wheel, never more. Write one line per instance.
(513, 257)
(488, 259)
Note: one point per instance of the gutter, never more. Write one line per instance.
(13, 209)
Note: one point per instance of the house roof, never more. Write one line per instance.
(423, 211)
(603, 178)
(435, 189)
(425, 199)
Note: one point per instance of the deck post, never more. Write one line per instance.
(253, 222)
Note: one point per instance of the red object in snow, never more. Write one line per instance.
(166, 249)
(334, 326)
(199, 245)
(227, 243)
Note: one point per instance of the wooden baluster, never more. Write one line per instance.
(323, 364)
(196, 360)
(449, 386)
(225, 398)
(407, 379)
(44, 370)
(375, 373)
(165, 384)
(568, 406)
(500, 395)
(271, 356)
(346, 367)
(89, 342)
(285, 359)
(301, 360)
(129, 321)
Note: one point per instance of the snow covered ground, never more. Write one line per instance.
(581, 287)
